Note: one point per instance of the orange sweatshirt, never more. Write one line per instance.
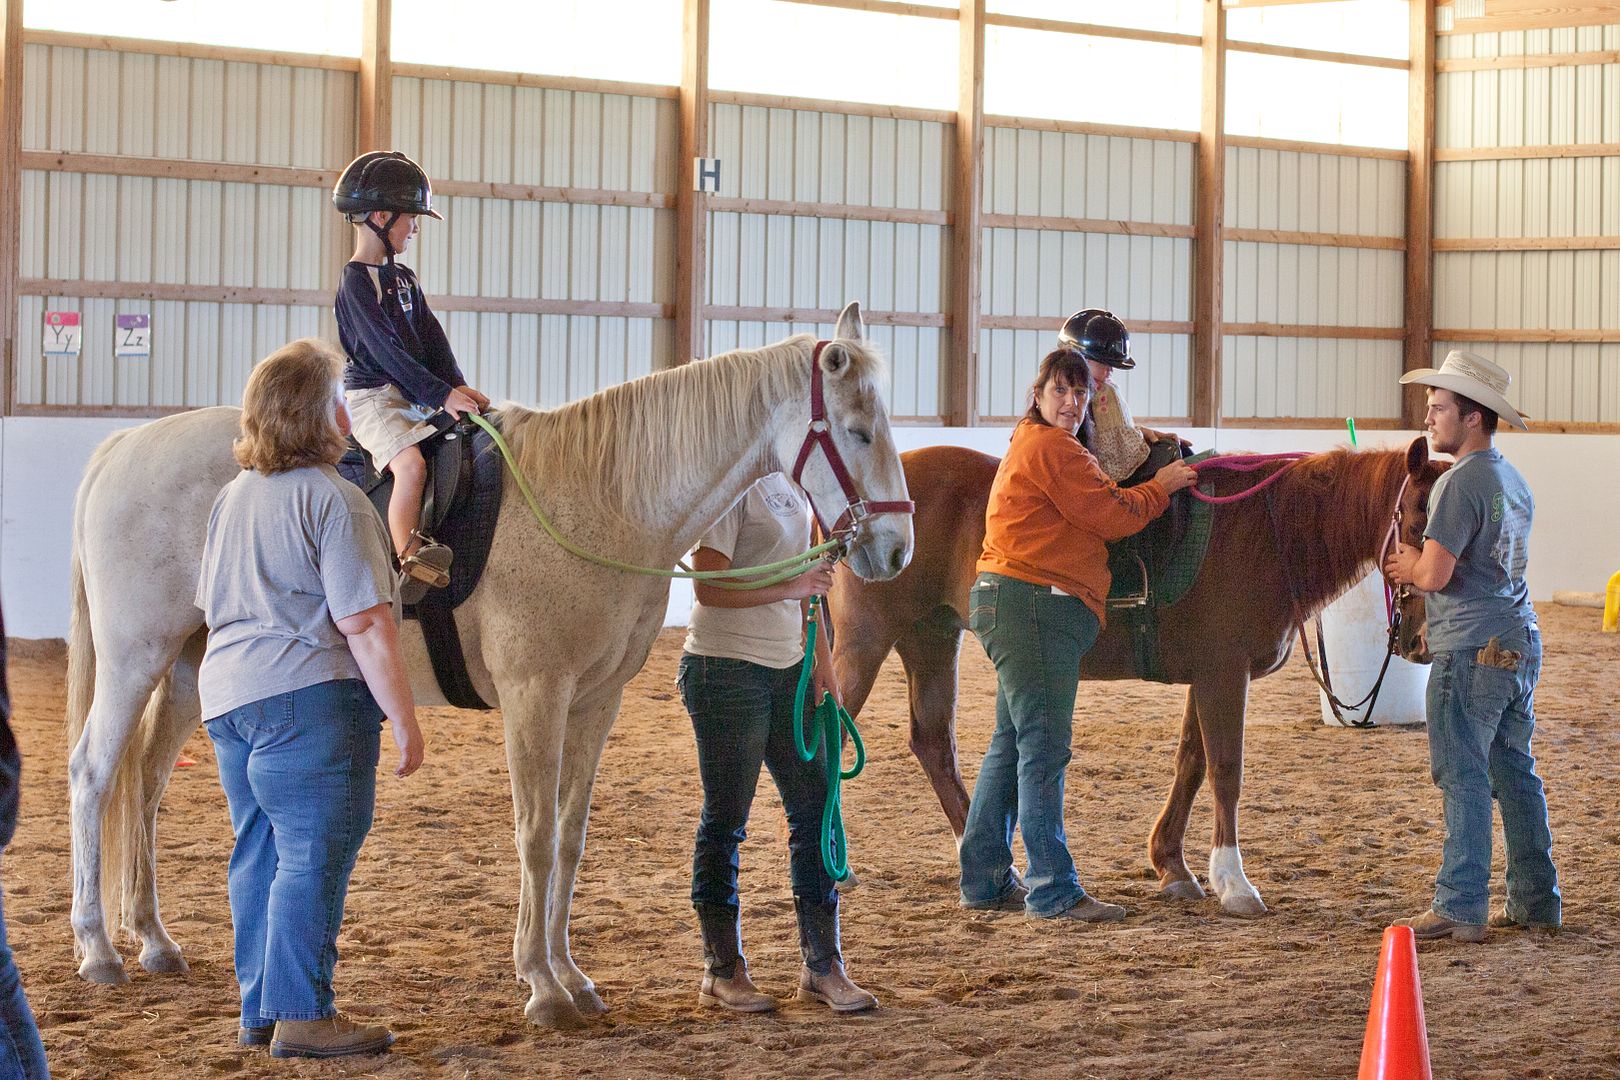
(1052, 511)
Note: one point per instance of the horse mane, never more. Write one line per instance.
(641, 440)
(1329, 509)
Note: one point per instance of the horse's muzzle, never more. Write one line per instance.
(880, 550)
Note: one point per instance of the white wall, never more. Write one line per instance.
(41, 461)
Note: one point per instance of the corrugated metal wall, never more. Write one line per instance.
(1535, 197)
(137, 229)
(759, 260)
(1312, 285)
(1029, 272)
(496, 247)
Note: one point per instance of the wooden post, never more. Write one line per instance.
(376, 97)
(1419, 208)
(692, 205)
(11, 83)
(961, 405)
(1209, 224)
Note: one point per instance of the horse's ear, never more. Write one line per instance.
(850, 327)
(1417, 455)
(834, 358)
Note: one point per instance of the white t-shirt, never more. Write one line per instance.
(770, 522)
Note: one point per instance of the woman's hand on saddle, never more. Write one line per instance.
(412, 747)
(813, 582)
(463, 400)
(1175, 476)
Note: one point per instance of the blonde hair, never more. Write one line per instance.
(289, 419)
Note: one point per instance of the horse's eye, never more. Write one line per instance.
(863, 436)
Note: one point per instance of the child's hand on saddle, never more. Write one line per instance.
(1175, 476)
(462, 401)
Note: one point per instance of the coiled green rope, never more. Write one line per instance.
(829, 721)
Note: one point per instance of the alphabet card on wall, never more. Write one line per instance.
(63, 334)
(132, 339)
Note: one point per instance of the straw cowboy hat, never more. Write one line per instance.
(1473, 377)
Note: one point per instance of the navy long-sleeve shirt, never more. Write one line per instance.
(391, 336)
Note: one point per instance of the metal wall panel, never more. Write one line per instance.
(758, 260)
(1537, 197)
(1310, 377)
(493, 247)
(1049, 274)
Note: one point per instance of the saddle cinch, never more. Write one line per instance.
(460, 501)
(1156, 567)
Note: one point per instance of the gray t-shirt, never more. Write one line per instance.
(1480, 511)
(769, 523)
(287, 555)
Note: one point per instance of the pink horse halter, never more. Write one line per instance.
(856, 509)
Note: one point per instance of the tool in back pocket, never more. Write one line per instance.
(1494, 656)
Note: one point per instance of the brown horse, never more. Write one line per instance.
(1236, 623)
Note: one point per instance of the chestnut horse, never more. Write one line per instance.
(1236, 623)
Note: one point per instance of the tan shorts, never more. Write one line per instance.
(385, 423)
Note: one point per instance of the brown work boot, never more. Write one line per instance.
(1091, 909)
(1432, 925)
(1501, 920)
(822, 978)
(834, 990)
(333, 1036)
(725, 972)
(738, 993)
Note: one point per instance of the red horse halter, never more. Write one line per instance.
(819, 434)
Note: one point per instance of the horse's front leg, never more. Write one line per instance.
(1222, 704)
(582, 752)
(536, 714)
(1167, 843)
(930, 658)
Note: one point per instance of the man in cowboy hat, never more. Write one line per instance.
(1487, 658)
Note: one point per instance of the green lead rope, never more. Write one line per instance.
(830, 721)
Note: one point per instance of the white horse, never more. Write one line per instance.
(636, 472)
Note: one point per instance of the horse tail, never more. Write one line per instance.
(81, 657)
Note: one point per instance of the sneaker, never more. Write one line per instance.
(1501, 920)
(334, 1036)
(254, 1036)
(1090, 909)
(1431, 925)
(1011, 900)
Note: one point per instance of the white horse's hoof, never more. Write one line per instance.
(103, 972)
(551, 1013)
(1182, 889)
(1245, 905)
(164, 961)
(589, 1002)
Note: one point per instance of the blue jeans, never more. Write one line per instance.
(21, 1053)
(742, 715)
(300, 773)
(1481, 719)
(1035, 638)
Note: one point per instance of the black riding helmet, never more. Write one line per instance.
(1098, 335)
(384, 180)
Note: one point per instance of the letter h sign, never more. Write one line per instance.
(706, 175)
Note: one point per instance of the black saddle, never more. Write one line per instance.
(460, 501)
(1140, 564)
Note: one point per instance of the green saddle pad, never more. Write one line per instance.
(1170, 579)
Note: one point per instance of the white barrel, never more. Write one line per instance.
(1355, 634)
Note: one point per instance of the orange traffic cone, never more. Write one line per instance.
(1396, 1046)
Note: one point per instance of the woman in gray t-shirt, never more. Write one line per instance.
(303, 664)
(739, 676)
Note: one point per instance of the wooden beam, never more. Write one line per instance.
(1316, 239)
(1517, 153)
(131, 412)
(446, 73)
(11, 84)
(933, 319)
(1312, 423)
(827, 105)
(1531, 336)
(1209, 208)
(961, 403)
(1502, 16)
(1060, 26)
(376, 89)
(882, 7)
(656, 200)
(1291, 52)
(1529, 243)
(1419, 287)
(843, 211)
(1533, 60)
(1299, 147)
(224, 172)
(191, 50)
(1311, 330)
(691, 205)
(1050, 323)
(1084, 127)
(1085, 225)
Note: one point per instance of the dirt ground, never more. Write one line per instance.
(1340, 834)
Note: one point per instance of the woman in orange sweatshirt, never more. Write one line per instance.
(1037, 606)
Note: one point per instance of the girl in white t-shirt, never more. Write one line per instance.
(738, 678)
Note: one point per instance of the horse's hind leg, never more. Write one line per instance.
(1167, 843)
(536, 715)
(93, 768)
(582, 751)
(1221, 707)
(178, 712)
(930, 654)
